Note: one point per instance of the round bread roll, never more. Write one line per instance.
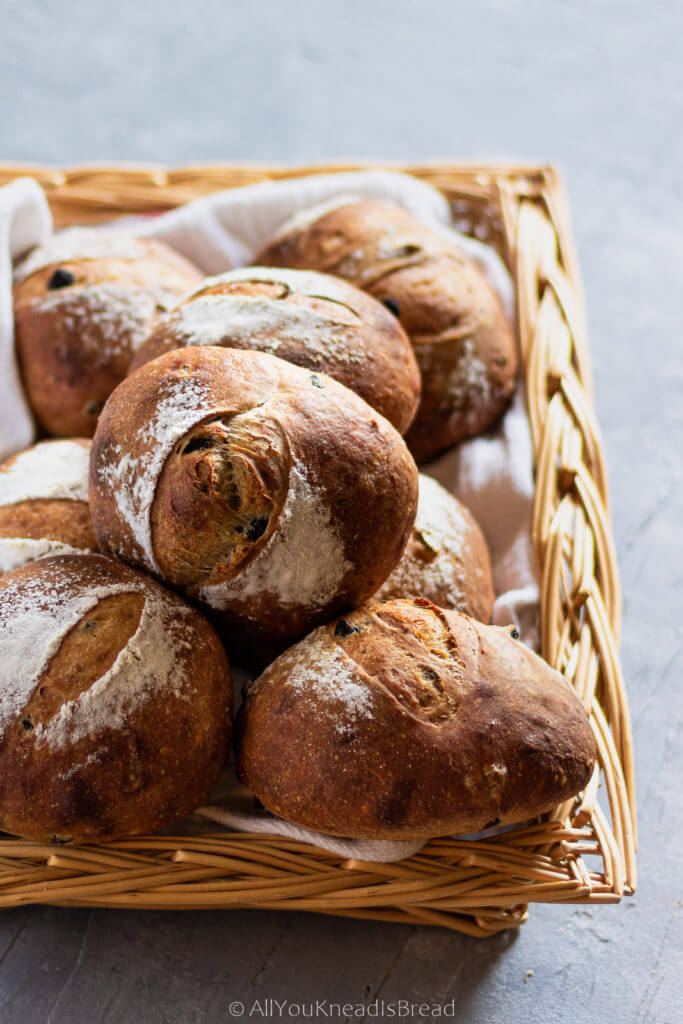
(403, 721)
(44, 503)
(272, 495)
(115, 702)
(82, 305)
(462, 338)
(446, 559)
(313, 320)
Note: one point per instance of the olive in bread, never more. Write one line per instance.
(115, 702)
(274, 496)
(446, 558)
(44, 503)
(313, 320)
(403, 721)
(460, 333)
(82, 305)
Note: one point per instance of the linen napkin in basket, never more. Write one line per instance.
(25, 222)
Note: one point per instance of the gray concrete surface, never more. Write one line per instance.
(596, 87)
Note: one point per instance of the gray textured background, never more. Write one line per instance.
(596, 87)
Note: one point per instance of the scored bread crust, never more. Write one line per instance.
(274, 496)
(404, 721)
(44, 503)
(115, 702)
(75, 340)
(462, 338)
(318, 322)
(446, 558)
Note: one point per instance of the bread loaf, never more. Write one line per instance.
(83, 303)
(115, 702)
(446, 559)
(461, 336)
(44, 503)
(402, 720)
(272, 495)
(313, 320)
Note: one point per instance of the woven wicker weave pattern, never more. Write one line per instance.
(585, 851)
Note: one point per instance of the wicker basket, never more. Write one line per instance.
(584, 852)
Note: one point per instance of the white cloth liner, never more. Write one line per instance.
(25, 222)
(491, 474)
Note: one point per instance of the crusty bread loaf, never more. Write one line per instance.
(446, 559)
(461, 336)
(273, 495)
(404, 721)
(44, 503)
(115, 702)
(313, 320)
(83, 303)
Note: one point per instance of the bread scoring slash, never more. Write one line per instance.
(461, 336)
(115, 702)
(316, 321)
(404, 721)
(274, 496)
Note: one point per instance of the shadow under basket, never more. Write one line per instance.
(584, 851)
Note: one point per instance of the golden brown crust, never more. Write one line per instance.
(124, 725)
(75, 335)
(461, 337)
(62, 520)
(273, 495)
(43, 503)
(406, 721)
(446, 558)
(309, 319)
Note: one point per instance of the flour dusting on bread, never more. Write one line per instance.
(35, 616)
(268, 323)
(81, 244)
(302, 564)
(17, 551)
(111, 318)
(148, 663)
(320, 671)
(51, 469)
(440, 530)
(469, 380)
(301, 282)
(183, 402)
(115, 702)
